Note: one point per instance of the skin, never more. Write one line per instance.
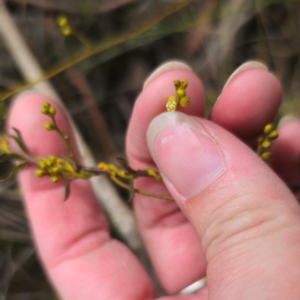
(245, 237)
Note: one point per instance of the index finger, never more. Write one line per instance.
(72, 237)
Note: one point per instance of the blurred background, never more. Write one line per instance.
(97, 69)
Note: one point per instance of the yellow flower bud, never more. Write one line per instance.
(43, 164)
(4, 145)
(46, 105)
(153, 173)
(266, 156)
(49, 126)
(185, 101)
(180, 93)
(177, 83)
(62, 20)
(39, 173)
(68, 167)
(103, 166)
(52, 111)
(54, 170)
(273, 135)
(266, 144)
(171, 104)
(54, 179)
(45, 111)
(184, 84)
(121, 174)
(66, 30)
(51, 161)
(268, 128)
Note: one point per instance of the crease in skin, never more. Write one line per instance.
(241, 224)
(90, 241)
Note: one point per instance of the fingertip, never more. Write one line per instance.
(286, 150)
(25, 115)
(152, 102)
(250, 101)
(288, 119)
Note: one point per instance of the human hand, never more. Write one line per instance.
(245, 216)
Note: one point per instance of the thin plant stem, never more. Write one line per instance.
(65, 139)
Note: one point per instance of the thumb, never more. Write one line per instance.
(247, 219)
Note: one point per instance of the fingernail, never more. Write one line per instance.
(171, 65)
(288, 119)
(246, 66)
(186, 155)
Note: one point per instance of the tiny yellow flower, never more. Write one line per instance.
(49, 126)
(177, 83)
(47, 105)
(43, 164)
(184, 83)
(69, 167)
(54, 179)
(268, 128)
(266, 144)
(185, 101)
(153, 173)
(54, 170)
(45, 109)
(51, 161)
(273, 135)
(52, 111)
(62, 20)
(4, 145)
(66, 30)
(180, 92)
(39, 173)
(103, 166)
(172, 104)
(266, 156)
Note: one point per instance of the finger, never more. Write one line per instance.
(172, 243)
(286, 151)
(72, 237)
(248, 220)
(250, 100)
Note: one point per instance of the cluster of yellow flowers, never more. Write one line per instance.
(264, 141)
(64, 25)
(59, 168)
(180, 99)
